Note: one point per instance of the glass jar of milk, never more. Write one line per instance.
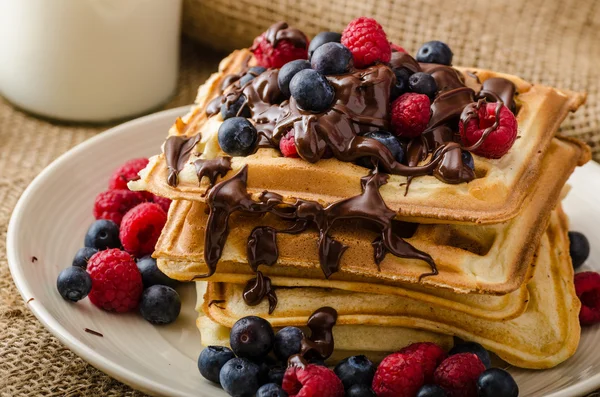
(89, 60)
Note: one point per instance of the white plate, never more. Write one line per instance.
(51, 218)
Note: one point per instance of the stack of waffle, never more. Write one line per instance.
(402, 259)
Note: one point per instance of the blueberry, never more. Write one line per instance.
(401, 85)
(389, 141)
(288, 71)
(251, 337)
(355, 370)
(212, 359)
(287, 342)
(103, 234)
(239, 377)
(151, 274)
(246, 79)
(253, 72)
(431, 391)
(276, 374)
(423, 83)
(579, 248)
(467, 159)
(237, 136)
(496, 382)
(160, 304)
(322, 38)
(237, 108)
(331, 58)
(311, 90)
(83, 256)
(271, 390)
(360, 391)
(264, 367)
(257, 70)
(74, 283)
(435, 52)
(472, 347)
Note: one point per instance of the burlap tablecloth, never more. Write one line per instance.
(554, 42)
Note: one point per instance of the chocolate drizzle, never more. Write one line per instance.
(257, 289)
(177, 152)
(282, 31)
(212, 169)
(497, 89)
(320, 344)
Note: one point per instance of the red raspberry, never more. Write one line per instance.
(164, 202)
(287, 145)
(312, 381)
(127, 172)
(587, 287)
(499, 142)
(410, 114)
(458, 375)
(114, 204)
(275, 57)
(396, 48)
(398, 375)
(116, 281)
(141, 228)
(428, 354)
(367, 41)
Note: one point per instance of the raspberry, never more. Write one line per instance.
(313, 380)
(587, 287)
(164, 202)
(116, 281)
(275, 57)
(428, 354)
(398, 375)
(458, 375)
(498, 142)
(367, 41)
(141, 228)
(396, 48)
(410, 114)
(114, 204)
(127, 172)
(287, 145)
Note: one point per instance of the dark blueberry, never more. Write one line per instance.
(431, 391)
(472, 347)
(251, 337)
(389, 141)
(160, 304)
(83, 255)
(239, 377)
(212, 359)
(257, 70)
(276, 374)
(496, 382)
(331, 58)
(252, 73)
(74, 283)
(423, 83)
(271, 390)
(237, 136)
(467, 159)
(312, 91)
(103, 234)
(435, 52)
(287, 342)
(579, 248)
(234, 109)
(355, 370)
(360, 391)
(288, 71)
(322, 38)
(401, 85)
(151, 274)
(264, 366)
(246, 79)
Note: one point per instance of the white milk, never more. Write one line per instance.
(89, 60)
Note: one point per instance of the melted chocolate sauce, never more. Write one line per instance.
(497, 89)
(177, 152)
(319, 345)
(212, 168)
(282, 31)
(257, 289)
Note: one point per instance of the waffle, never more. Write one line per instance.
(491, 259)
(546, 334)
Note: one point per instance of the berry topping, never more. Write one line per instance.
(389, 141)
(116, 281)
(160, 304)
(275, 56)
(431, 391)
(74, 283)
(587, 288)
(331, 58)
(496, 382)
(164, 202)
(322, 38)
(251, 337)
(127, 172)
(410, 115)
(398, 375)
(311, 90)
(212, 359)
(423, 83)
(103, 234)
(500, 140)
(475, 348)
(237, 108)
(287, 72)
(428, 354)
(397, 48)
(271, 390)
(114, 204)
(401, 85)
(287, 342)
(579, 248)
(141, 228)
(152, 275)
(467, 159)
(355, 370)
(287, 145)
(435, 52)
(458, 374)
(82, 256)
(237, 136)
(360, 391)
(239, 377)
(312, 380)
(367, 41)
